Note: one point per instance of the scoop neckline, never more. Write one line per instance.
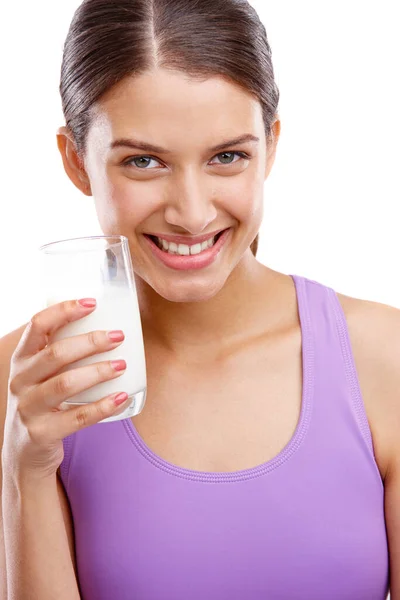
(293, 444)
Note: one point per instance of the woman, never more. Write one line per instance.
(264, 462)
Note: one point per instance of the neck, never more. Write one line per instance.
(208, 327)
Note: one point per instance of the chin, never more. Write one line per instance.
(191, 290)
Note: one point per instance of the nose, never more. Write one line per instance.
(190, 205)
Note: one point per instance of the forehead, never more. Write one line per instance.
(170, 108)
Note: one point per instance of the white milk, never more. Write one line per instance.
(117, 308)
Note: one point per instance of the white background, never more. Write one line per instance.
(331, 200)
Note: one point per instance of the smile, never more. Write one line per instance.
(184, 257)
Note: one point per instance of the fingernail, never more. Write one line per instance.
(118, 365)
(87, 302)
(116, 336)
(120, 398)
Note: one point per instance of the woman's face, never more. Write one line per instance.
(185, 187)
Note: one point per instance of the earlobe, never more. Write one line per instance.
(71, 162)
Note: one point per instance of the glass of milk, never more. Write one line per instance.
(99, 267)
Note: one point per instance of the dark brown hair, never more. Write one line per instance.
(110, 40)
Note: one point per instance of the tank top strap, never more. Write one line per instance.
(336, 381)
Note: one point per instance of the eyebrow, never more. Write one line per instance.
(146, 147)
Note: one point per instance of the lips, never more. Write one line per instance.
(189, 262)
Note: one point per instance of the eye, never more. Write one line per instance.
(142, 162)
(230, 155)
(137, 164)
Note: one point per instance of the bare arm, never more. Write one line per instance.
(38, 557)
(38, 524)
(376, 337)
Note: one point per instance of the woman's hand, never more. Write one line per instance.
(35, 424)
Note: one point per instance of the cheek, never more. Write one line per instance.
(123, 203)
(107, 212)
(243, 199)
(104, 193)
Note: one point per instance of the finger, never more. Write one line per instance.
(51, 393)
(44, 323)
(74, 419)
(57, 355)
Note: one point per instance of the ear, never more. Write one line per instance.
(72, 164)
(272, 143)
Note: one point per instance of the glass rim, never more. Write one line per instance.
(119, 240)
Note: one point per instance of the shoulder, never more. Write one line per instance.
(10, 340)
(8, 344)
(371, 323)
(374, 332)
(374, 329)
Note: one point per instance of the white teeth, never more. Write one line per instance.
(184, 249)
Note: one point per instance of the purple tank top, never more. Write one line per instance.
(307, 525)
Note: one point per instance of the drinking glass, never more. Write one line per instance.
(99, 267)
